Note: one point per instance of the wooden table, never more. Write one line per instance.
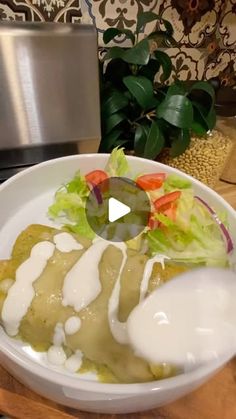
(214, 400)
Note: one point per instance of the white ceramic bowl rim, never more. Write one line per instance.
(109, 388)
(81, 384)
(130, 158)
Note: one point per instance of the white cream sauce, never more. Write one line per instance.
(147, 273)
(72, 325)
(21, 293)
(187, 321)
(56, 355)
(119, 329)
(73, 363)
(65, 242)
(82, 284)
(59, 335)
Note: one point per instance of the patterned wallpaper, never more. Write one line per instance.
(205, 30)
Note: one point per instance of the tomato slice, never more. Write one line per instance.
(170, 212)
(166, 199)
(96, 176)
(167, 205)
(152, 181)
(152, 223)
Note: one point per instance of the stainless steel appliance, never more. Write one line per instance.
(49, 92)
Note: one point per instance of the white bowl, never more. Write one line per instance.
(24, 200)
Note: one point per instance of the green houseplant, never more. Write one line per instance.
(144, 116)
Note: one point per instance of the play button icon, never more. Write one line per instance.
(117, 209)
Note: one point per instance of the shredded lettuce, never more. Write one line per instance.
(184, 209)
(173, 182)
(190, 251)
(117, 164)
(78, 185)
(223, 217)
(69, 204)
(70, 198)
(193, 237)
(82, 227)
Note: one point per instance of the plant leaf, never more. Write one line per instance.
(101, 75)
(116, 69)
(198, 128)
(166, 64)
(147, 17)
(209, 117)
(205, 86)
(155, 142)
(144, 18)
(108, 141)
(197, 92)
(111, 33)
(176, 89)
(113, 120)
(181, 143)
(139, 54)
(201, 108)
(177, 110)
(160, 93)
(115, 101)
(168, 27)
(120, 143)
(114, 52)
(154, 102)
(199, 125)
(140, 139)
(150, 70)
(141, 88)
(163, 36)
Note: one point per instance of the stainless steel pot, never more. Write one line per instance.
(49, 91)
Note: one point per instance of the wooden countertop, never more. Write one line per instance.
(216, 399)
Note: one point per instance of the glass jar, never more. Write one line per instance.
(226, 124)
(213, 156)
(204, 159)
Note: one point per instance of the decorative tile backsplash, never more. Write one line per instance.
(41, 10)
(205, 30)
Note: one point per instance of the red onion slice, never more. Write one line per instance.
(97, 194)
(224, 231)
(96, 191)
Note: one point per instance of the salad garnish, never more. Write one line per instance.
(181, 226)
